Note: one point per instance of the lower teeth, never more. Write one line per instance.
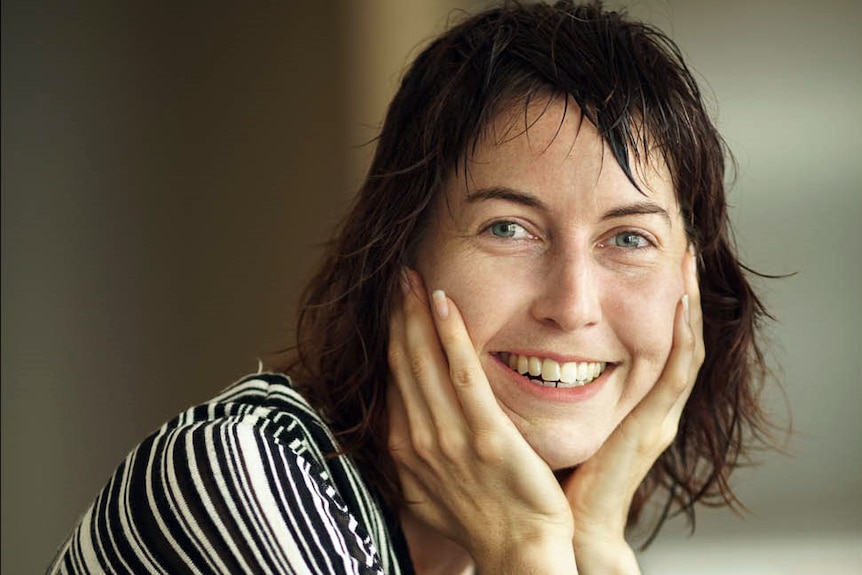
(560, 384)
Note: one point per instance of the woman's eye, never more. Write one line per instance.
(629, 240)
(508, 230)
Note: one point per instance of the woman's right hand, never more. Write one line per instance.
(464, 468)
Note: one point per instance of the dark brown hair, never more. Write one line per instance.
(631, 82)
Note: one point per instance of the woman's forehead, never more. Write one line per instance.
(540, 139)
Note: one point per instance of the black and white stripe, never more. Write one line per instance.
(241, 484)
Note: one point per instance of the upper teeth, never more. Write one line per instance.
(553, 373)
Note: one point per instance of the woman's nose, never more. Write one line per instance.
(568, 296)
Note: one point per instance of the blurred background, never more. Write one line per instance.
(170, 170)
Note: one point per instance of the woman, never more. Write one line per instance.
(531, 323)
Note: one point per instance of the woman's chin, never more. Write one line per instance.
(562, 455)
(564, 440)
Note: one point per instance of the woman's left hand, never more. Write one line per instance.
(600, 491)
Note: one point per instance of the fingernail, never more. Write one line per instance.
(685, 309)
(405, 281)
(441, 306)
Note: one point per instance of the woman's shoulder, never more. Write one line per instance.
(268, 402)
(267, 396)
(250, 477)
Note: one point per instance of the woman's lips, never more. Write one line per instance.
(552, 391)
(548, 372)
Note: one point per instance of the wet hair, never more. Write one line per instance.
(630, 81)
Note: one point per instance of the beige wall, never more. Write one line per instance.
(170, 169)
(383, 37)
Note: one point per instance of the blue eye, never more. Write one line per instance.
(630, 240)
(508, 230)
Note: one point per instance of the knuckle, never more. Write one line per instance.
(397, 451)
(647, 443)
(448, 339)
(679, 384)
(395, 353)
(453, 445)
(700, 354)
(658, 438)
(668, 435)
(461, 375)
(424, 445)
(397, 432)
(420, 365)
(489, 448)
(689, 341)
(399, 447)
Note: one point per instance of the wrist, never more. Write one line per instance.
(606, 557)
(550, 555)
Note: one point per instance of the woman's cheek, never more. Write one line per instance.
(487, 294)
(643, 315)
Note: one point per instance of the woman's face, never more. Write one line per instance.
(566, 275)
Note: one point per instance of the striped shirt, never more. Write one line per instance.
(241, 484)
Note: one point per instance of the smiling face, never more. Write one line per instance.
(566, 275)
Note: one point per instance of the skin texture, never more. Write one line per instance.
(578, 277)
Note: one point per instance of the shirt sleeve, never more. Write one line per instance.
(221, 496)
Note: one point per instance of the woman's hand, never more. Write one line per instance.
(464, 468)
(601, 489)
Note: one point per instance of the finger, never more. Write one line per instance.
(480, 408)
(427, 360)
(694, 316)
(680, 373)
(692, 288)
(665, 400)
(398, 438)
(420, 371)
(409, 395)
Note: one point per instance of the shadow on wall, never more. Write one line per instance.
(169, 171)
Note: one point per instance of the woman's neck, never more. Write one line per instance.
(431, 552)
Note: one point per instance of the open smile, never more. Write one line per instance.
(547, 372)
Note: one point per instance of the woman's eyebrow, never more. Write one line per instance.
(527, 199)
(637, 209)
(506, 194)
